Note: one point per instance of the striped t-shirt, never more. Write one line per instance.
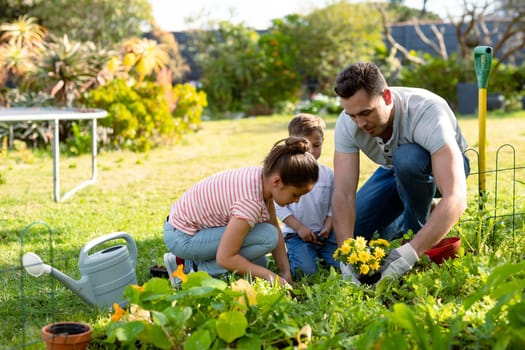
(214, 200)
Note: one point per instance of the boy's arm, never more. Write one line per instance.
(327, 227)
(304, 232)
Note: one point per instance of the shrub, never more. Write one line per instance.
(189, 105)
(138, 115)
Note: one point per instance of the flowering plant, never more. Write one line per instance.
(205, 313)
(365, 257)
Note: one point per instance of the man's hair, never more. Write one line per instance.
(304, 124)
(357, 76)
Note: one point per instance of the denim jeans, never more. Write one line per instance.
(201, 248)
(393, 201)
(304, 256)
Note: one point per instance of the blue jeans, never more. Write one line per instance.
(393, 201)
(304, 256)
(201, 248)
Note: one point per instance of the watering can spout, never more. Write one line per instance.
(82, 287)
(34, 265)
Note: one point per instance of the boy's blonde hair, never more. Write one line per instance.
(304, 124)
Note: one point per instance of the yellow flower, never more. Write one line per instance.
(353, 258)
(180, 274)
(244, 286)
(360, 243)
(379, 253)
(345, 249)
(139, 288)
(119, 312)
(364, 256)
(374, 266)
(379, 242)
(363, 269)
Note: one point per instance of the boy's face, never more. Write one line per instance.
(316, 143)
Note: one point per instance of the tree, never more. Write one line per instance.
(104, 22)
(328, 39)
(13, 9)
(231, 65)
(500, 24)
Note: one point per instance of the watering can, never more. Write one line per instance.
(103, 274)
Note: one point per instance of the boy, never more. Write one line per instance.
(307, 224)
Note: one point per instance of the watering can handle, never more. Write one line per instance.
(482, 65)
(110, 236)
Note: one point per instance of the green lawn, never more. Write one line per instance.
(134, 192)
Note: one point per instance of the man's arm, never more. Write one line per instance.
(346, 178)
(449, 176)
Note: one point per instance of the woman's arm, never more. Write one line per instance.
(279, 253)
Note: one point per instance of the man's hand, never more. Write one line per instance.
(348, 273)
(399, 261)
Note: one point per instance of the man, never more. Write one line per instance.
(413, 135)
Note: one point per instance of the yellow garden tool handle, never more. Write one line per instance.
(482, 65)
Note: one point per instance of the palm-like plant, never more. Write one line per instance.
(16, 58)
(21, 46)
(144, 56)
(66, 69)
(25, 31)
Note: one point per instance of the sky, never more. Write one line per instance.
(171, 14)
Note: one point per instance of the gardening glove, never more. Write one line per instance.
(399, 261)
(348, 273)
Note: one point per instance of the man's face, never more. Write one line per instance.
(371, 114)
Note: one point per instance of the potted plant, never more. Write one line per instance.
(365, 257)
(67, 335)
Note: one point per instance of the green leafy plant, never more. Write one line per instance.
(189, 106)
(138, 115)
(206, 313)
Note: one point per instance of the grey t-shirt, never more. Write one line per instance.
(421, 117)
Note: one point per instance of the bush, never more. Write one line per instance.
(138, 115)
(189, 105)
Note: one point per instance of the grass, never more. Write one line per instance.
(133, 194)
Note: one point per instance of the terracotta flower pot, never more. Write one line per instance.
(445, 249)
(67, 335)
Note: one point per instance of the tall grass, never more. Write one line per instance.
(133, 194)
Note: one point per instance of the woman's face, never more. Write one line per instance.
(286, 194)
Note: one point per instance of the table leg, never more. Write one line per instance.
(94, 149)
(56, 161)
(93, 164)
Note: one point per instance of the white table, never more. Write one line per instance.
(55, 115)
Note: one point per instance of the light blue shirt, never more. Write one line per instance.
(313, 207)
